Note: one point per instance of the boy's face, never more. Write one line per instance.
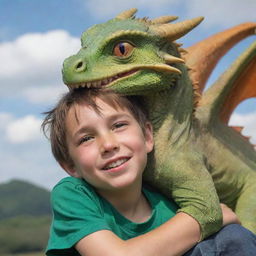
(108, 149)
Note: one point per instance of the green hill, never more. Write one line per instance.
(25, 217)
(24, 234)
(23, 198)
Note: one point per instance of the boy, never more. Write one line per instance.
(102, 140)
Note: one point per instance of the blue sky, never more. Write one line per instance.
(36, 36)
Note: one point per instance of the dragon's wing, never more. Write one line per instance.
(202, 57)
(235, 85)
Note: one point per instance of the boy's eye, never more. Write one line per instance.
(119, 125)
(123, 49)
(85, 139)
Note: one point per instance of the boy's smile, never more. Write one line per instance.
(112, 165)
(108, 148)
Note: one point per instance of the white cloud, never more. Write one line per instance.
(25, 153)
(5, 119)
(224, 13)
(24, 129)
(102, 10)
(33, 165)
(32, 162)
(34, 61)
(217, 12)
(46, 94)
(248, 121)
(31, 52)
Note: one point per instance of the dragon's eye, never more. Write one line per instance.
(123, 49)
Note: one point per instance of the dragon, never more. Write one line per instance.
(198, 160)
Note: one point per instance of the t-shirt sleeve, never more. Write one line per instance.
(76, 214)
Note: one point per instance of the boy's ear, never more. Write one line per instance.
(149, 137)
(70, 170)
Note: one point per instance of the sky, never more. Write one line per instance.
(36, 36)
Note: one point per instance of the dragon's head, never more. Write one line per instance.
(128, 55)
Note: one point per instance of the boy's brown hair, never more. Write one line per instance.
(55, 119)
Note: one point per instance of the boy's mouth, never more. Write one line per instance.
(115, 164)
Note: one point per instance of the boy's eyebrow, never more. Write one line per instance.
(82, 130)
(118, 115)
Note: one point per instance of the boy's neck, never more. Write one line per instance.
(131, 203)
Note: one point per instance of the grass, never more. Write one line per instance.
(26, 254)
(24, 233)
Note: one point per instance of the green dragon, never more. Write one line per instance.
(198, 159)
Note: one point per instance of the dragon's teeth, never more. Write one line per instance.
(96, 83)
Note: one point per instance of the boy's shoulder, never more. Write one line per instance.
(75, 193)
(71, 186)
(70, 181)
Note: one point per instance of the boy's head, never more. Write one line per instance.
(55, 120)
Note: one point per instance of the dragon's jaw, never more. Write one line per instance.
(104, 82)
(131, 78)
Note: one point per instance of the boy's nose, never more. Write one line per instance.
(108, 144)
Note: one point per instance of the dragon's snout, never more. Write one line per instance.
(72, 66)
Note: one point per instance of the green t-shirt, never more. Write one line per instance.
(79, 211)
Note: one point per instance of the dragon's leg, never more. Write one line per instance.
(246, 205)
(185, 179)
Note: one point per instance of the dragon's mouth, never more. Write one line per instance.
(102, 82)
(109, 80)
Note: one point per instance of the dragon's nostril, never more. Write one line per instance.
(79, 65)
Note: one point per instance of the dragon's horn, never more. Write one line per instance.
(126, 14)
(164, 19)
(177, 30)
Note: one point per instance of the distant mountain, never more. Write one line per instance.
(19, 198)
(24, 234)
